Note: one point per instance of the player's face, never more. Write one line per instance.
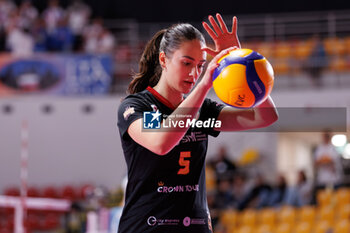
(185, 66)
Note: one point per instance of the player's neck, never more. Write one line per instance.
(170, 94)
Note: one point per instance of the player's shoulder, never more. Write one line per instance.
(137, 98)
(139, 95)
(137, 102)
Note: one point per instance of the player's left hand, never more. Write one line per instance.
(207, 82)
(222, 38)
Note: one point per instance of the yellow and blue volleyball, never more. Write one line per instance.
(244, 78)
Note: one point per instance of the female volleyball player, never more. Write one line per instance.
(166, 179)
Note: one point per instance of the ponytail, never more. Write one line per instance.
(149, 67)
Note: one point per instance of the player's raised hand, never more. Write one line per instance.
(221, 36)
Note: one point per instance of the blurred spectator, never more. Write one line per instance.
(40, 36)
(27, 14)
(78, 17)
(317, 61)
(91, 34)
(75, 219)
(61, 38)
(19, 42)
(327, 164)
(106, 42)
(6, 8)
(223, 196)
(257, 196)
(52, 15)
(12, 20)
(301, 194)
(278, 194)
(240, 187)
(222, 164)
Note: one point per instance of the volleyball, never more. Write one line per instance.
(244, 78)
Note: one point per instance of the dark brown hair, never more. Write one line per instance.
(167, 41)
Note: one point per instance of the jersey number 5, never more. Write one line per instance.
(184, 162)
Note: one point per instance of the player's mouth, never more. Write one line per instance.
(189, 82)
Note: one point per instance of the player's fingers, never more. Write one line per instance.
(234, 25)
(222, 53)
(210, 31)
(222, 23)
(209, 51)
(215, 25)
(211, 68)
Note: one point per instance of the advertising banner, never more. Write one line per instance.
(56, 74)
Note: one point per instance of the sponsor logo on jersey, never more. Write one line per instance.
(194, 137)
(151, 120)
(176, 188)
(152, 221)
(128, 111)
(187, 221)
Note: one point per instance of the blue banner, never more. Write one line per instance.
(60, 74)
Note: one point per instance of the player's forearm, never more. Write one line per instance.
(261, 116)
(191, 105)
(186, 111)
(267, 112)
(264, 115)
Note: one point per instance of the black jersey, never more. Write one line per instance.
(165, 193)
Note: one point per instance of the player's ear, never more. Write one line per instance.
(162, 60)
